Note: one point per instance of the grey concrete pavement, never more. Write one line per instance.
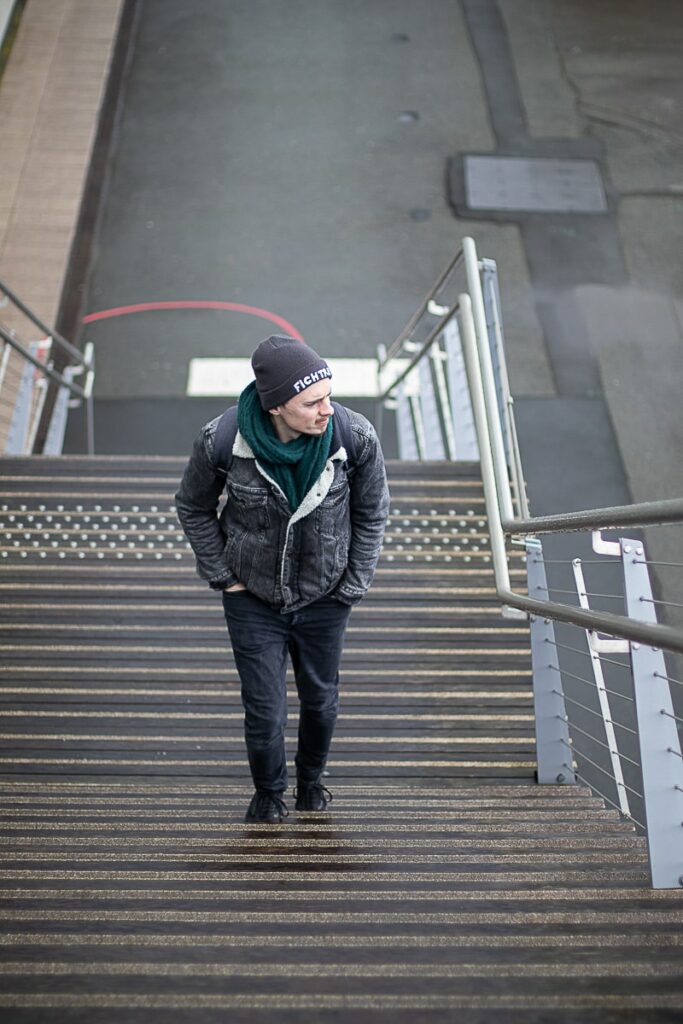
(613, 73)
(262, 158)
(266, 153)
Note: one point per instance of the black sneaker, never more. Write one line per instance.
(312, 796)
(266, 807)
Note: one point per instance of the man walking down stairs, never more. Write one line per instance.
(442, 882)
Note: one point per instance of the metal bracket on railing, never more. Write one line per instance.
(601, 644)
(436, 310)
(508, 612)
(605, 547)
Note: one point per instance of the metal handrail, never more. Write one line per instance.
(646, 513)
(414, 351)
(47, 370)
(422, 351)
(84, 361)
(639, 634)
(497, 475)
(594, 519)
(515, 455)
(478, 314)
(48, 332)
(405, 334)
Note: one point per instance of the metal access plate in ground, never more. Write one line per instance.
(538, 185)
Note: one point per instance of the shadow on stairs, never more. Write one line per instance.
(441, 880)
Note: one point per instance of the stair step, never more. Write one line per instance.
(441, 880)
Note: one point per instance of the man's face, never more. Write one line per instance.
(306, 413)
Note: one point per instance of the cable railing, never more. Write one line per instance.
(618, 735)
(25, 394)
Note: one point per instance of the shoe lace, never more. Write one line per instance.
(316, 787)
(265, 798)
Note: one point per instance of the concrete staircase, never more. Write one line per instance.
(442, 879)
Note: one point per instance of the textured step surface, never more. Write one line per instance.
(119, 897)
(116, 657)
(442, 880)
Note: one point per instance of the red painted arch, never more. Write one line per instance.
(231, 307)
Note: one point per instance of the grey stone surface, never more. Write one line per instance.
(549, 97)
(651, 230)
(638, 342)
(570, 461)
(262, 159)
(624, 62)
(529, 364)
(622, 65)
(269, 154)
(636, 336)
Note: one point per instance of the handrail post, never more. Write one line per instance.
(488, 476)
(500, 467)
(660, 748)
(493, 309)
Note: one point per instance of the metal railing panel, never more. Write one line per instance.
(48, 332)
(21, 413)
(462, 417)
(659, 741)
(550, 712)
(397, 346)
(407, 440)
(439, 360)
(567, 739)
(433, 445)
(26, 354)
(29, 398)
(603, 698)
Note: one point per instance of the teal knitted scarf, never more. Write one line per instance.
(293, 465)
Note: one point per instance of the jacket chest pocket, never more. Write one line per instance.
(248, 506)
(332, 512)
(337, 495)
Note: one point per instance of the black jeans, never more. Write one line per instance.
(261, 639)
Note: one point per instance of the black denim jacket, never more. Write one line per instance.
(330, 545)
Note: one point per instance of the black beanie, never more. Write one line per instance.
(284, 367)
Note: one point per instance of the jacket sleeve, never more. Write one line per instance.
(197, 508)
(369, 507)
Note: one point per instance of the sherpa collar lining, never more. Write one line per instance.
(317, 493)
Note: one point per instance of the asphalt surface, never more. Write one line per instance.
(303, 160)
